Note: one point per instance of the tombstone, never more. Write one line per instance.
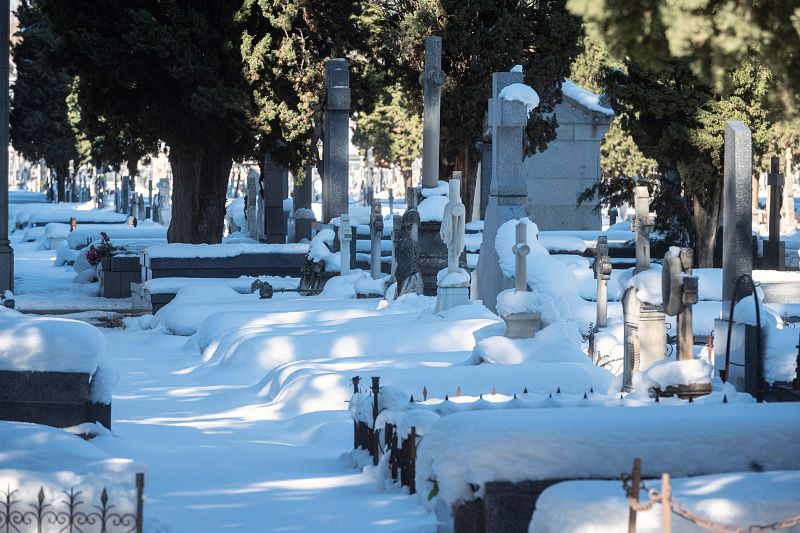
(251, 201)
(631, 306)
(679, 293)
(376, 232)
(397, 225)
(336, 140)
(453, 288)
(485, 148)
(642, 224)
(303, 215)
(508, 197)
(526, 324)
(407, 270)
(570, 164)
(432, 79)
(789, 216)
(150, 196)
(155, 209)
(140, 211)
(391, 202)
(774, 247)
(164, 203)
(275, 186)
(345, 236)
(602, 273)
(125, 194)
(613, 213)
(736, 204)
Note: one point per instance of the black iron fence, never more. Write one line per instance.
(70, 513)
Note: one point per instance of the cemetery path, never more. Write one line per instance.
(218, 459)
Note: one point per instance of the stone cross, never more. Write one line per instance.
(453, 224)
(631, 307)
(432, 79)
(774, 248)
(521, 251)
(508, 196)
(376, 232)
(789, 216)
(345, 236)
(250, 207)
(644, 225)
(336, 140)
(737, 249)
(679, 293)
(397, 223)
(125, 195)
(602, 273)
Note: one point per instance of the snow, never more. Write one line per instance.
(475, 225)
(460, 278)
(91, 232)
(241, 284)
(715, 438)
(648, 285)
(780, 360)
(185, 251)
(516, 68)
(41, 218)
(368, 286)
(441, 189)
(585, 98)
(431, 209)
(235, 212)
(519, 92)
(48, 344)
(511, 301)
(735, 499)
(667, 373)
(562, 243)
(319, 249)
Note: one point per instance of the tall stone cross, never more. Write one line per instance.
(602, 273)
(508, 195)
(521, 251)
(336, 140)
(774, 248)
(453, 224)
(376, 232)
(644, 225)
(432, 79)
(345, 236)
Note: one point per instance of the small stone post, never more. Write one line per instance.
(602, 273)
(336, 141)
(376, 232)
(521, 251)
(774, 248)
(631, 306)
(250, 212)
(644, 225)
(431, 80)
(345, 236)
(125, 195)
(397, 223)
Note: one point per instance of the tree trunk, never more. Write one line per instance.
(198, 196)
(408, 178)
(706, 223)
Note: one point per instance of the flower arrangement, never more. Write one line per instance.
(95, 254)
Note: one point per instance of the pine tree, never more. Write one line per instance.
(168, 70)
(480, 37)
(39, 120)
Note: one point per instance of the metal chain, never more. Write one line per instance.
(653, 497)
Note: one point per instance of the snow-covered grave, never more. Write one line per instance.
(55, 233)
(500, 453)
(152, 295)
(52, 371)
(222, 260)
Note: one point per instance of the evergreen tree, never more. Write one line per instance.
(39, 120)
(169, 70)
(392, 131)
(679, 121)
(480, 37)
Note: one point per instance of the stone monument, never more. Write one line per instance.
(602, 273)
(521, 325)
(376, 233)
(453, 282)
(251, 201)
(141, 214)
(165, 203)
(274, 187)
(642, 225)
(407, 269)
(678, 294)
(508, 197)
(302, 214)
(775, 248)
(336, 140)
(125, 196)
(345, 236)
(631, 305)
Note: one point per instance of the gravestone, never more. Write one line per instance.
(251, 200)
(336, 141)
(432, 79)
(453, 284)
(524, 324)
(508, 198)
(391, 202)
(774, 247)
(303, 215)
(602, 273)
(376, 232)
(679, 293)
(140, 210)
(631, 306)
(164, 203)
(570, 164)
(345, 237)
(125, 195)
(275, 187)
(789, 216)
(407, 270)
(642, 225)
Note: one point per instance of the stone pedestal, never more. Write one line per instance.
(448, 297)
(522, 325)
(432, 255)
(303, 215)
(275, 184)
(652, 336)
